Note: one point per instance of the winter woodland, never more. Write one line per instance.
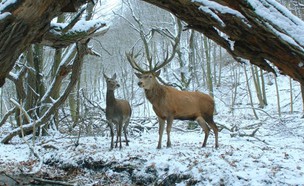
(54, 134)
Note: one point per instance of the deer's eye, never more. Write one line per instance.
(150, 76)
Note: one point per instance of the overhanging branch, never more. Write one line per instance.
(246, 32)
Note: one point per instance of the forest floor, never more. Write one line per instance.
(267, 151)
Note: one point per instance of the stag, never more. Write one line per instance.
(170, 103)
(118, 112)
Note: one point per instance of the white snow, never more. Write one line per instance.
(213, 8)
(4, 15)
(81, 26)
(274, 156)
(277, 17)
(238, 161)
(281, 20)
(6, 3)
(206, 9)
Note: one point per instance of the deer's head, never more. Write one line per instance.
(111, 82)
(147, 79)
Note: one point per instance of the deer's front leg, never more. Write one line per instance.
(160, 131)
(169, 126)
(119, 134)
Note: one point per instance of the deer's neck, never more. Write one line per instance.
(155, 94)
(110, 98)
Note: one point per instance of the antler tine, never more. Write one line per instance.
(131, 59)
(174, 44)
(167, 58)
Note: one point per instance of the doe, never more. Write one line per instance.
(118, 112)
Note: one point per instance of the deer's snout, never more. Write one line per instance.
(140, 84)
(117, 85)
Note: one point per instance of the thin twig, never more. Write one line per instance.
(52, 181)
(6, 116)
(22, 134)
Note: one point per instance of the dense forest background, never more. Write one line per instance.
(56, 132)
(199, 64)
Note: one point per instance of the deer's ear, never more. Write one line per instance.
(105, 76)
(157, 73)
(138, 75)
(114, 76)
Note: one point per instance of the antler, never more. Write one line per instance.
(174, 44)
(153, 68)
(167, 59)
(131, 59)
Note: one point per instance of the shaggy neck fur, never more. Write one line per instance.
(155, 94)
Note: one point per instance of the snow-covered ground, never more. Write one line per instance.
(274, 156)
(264, 151)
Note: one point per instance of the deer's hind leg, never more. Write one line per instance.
(201, 121)
(112, 135)
(118, 136)
(212, 124)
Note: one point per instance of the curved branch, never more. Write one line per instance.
(244, 30)
(60, 38)
(76, 69)
(24, 22)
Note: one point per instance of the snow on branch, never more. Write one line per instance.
(59, 36)
(75, 72)
(263, 32)
(216, 11)
(279, 19)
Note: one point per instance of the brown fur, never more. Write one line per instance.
(118, 112)
(170, 103)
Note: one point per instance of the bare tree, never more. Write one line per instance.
(249, 93)
(40, 95)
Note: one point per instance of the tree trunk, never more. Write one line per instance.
(255, 37)
(75, 73)
(256, 81)
(263, 87)
(249, 93)
(278, 96)
(26, 23)
(208, 49)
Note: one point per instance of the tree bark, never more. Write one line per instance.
(254, 37)
(26, 22)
